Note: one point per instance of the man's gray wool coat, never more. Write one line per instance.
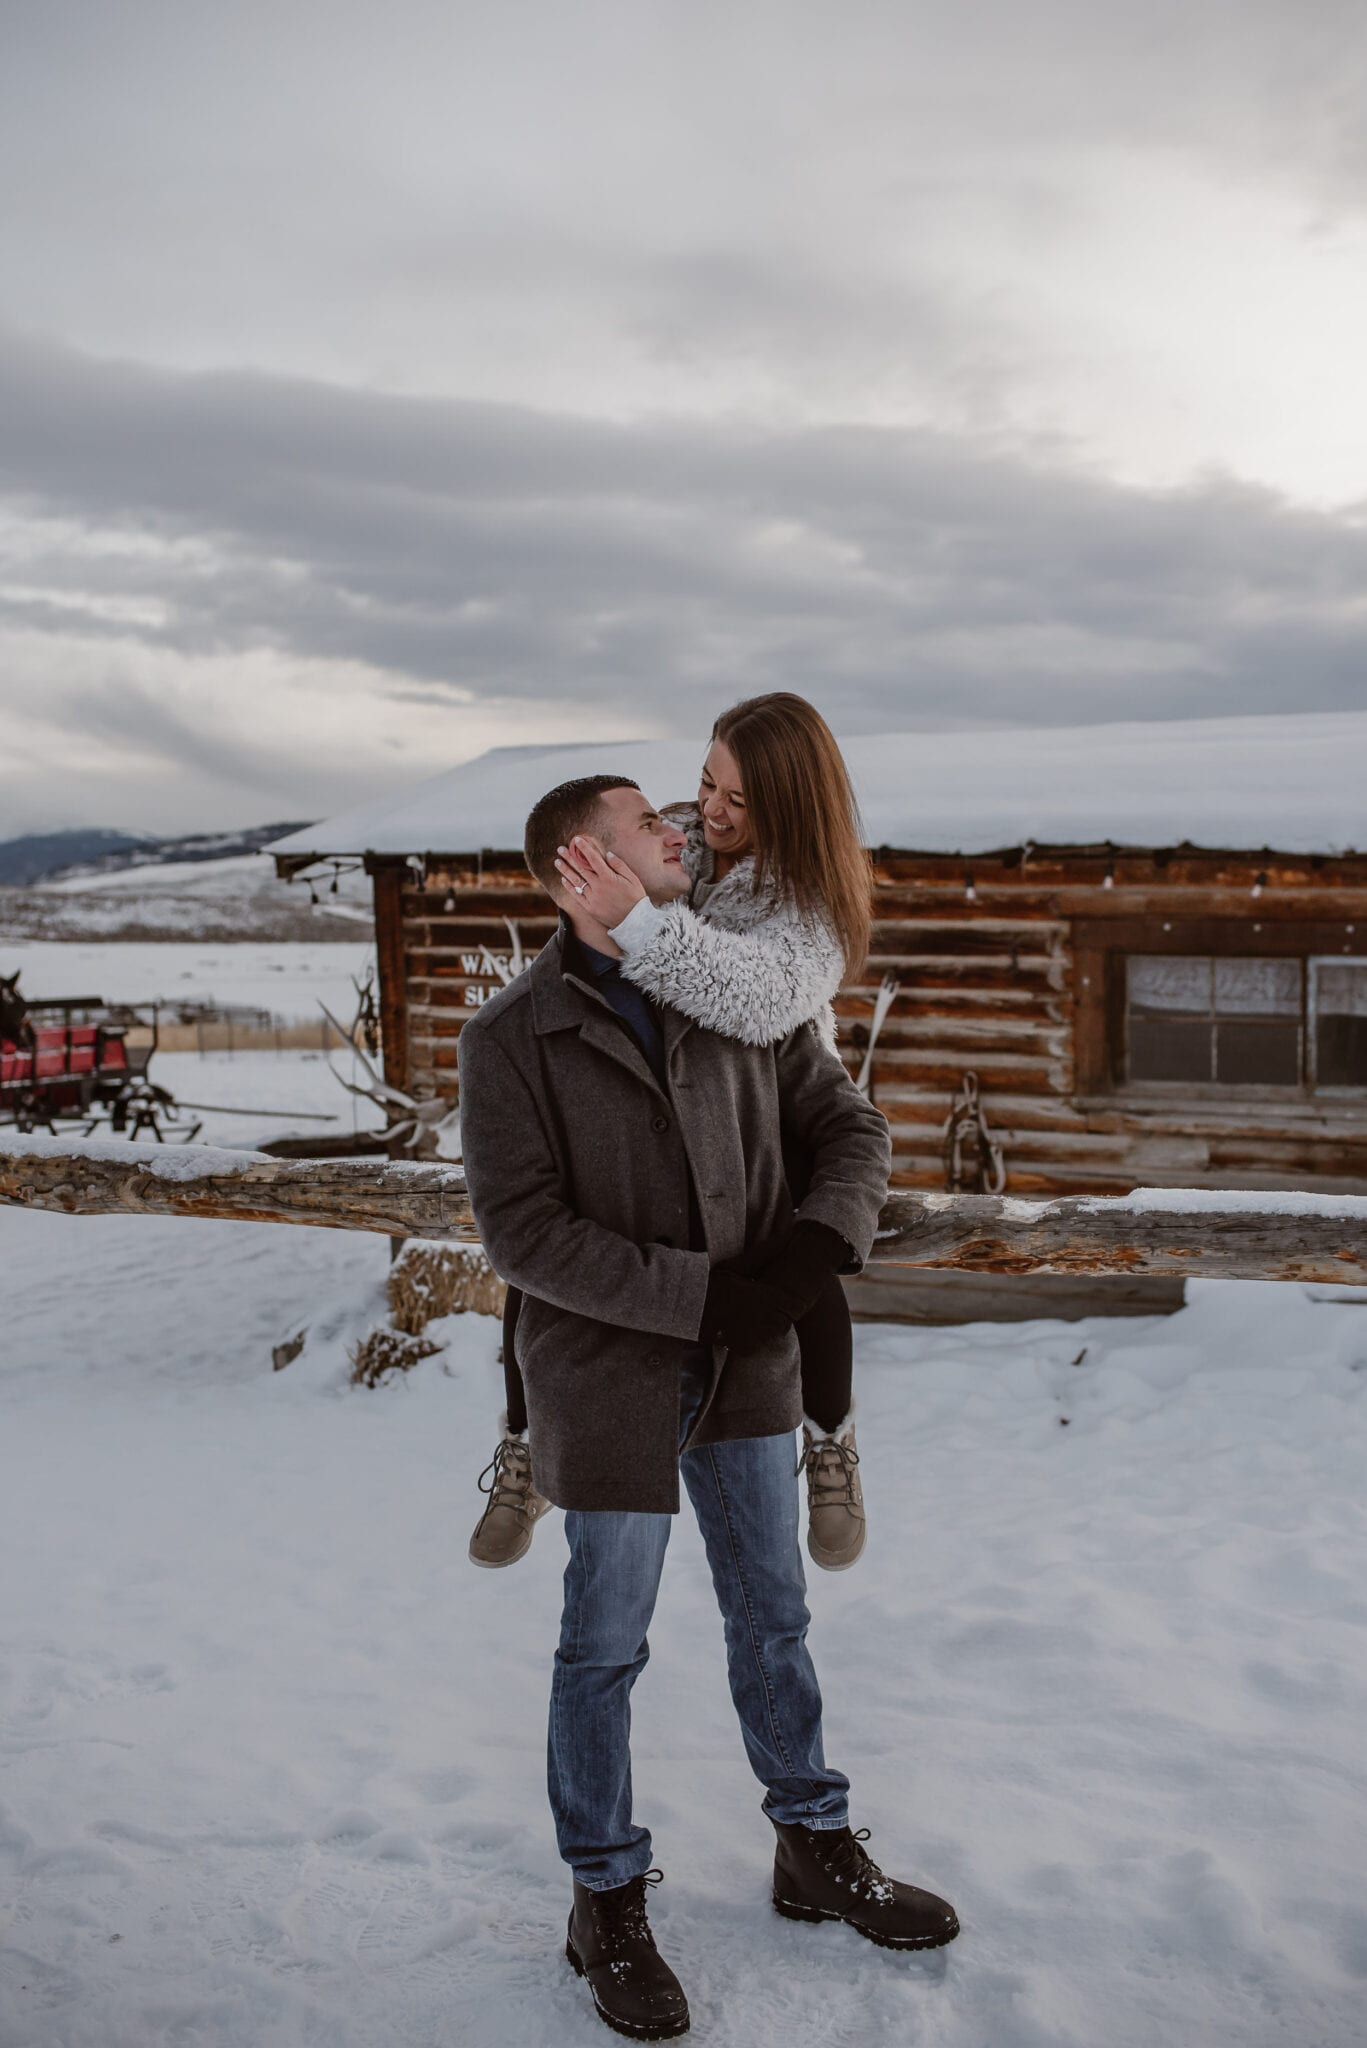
(577, 1165)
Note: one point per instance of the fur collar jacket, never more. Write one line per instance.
(746, 963)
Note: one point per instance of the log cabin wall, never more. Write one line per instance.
(1012, 965)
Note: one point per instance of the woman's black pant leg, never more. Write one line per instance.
(826, 1340)
(514, 1394)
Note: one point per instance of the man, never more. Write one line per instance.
(624, 1166)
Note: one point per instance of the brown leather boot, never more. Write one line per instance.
(825, 1874)
(835, 1499)
(610, 1945)
(504, 1531)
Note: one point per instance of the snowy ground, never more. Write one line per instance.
(271, 1750)
(285, 978)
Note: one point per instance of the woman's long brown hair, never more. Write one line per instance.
(809, 842)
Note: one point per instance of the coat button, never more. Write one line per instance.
(659, 1123)
(654, 1358)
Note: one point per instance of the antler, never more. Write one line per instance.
(434, 1117)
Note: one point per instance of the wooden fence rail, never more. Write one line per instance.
(1168, 1230)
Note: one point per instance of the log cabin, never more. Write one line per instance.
(1146, 944)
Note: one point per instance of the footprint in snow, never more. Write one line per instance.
(39, 1985)
(51, 1682)
(442, 1786)
(1322, 1685)
(478, 1838)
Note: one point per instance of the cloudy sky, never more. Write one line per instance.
(378, 385)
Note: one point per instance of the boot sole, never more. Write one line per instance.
(828, 1560)
(498, 1564)
(791, 1911)
(642, 2030)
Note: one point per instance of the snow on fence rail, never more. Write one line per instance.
(1175, 1231)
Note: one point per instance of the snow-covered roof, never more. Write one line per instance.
(1298, 784)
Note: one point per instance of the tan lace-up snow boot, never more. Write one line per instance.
(504, 1531)
(835, 1499)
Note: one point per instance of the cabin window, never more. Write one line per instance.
(1233, 1022)
(1338, 1008)
(1238, 1021)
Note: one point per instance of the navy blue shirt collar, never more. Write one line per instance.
(577, 956)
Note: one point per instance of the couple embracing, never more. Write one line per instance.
(671, 1168)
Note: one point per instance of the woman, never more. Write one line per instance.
(777, 918)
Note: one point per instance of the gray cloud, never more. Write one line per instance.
(636, 357)
(492, 199)
(129, 718)
(499, 554)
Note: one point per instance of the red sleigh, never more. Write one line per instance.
(70, 1061)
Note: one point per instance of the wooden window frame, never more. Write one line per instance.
(1101, 947)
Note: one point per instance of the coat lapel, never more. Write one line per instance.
(603, 1031)
(676, 1027)
(565, 1002)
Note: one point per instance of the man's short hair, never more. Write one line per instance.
(555, 818)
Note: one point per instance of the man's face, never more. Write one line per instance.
(637, 834)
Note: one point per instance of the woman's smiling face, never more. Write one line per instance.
(721, 799)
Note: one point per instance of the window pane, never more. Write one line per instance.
(1258, 1054)
(1258, 988)
(1341, 988)
(1170, 1049)
(1341, 1052)
(1341, 1023)
(1172, 981)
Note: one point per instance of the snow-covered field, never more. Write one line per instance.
(297, 1093)
(236, 898)
(285, 978)
(271, 1750)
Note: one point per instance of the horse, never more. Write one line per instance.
(15, 1028)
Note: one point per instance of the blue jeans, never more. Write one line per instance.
(745, 1497)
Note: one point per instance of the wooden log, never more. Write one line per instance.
(1177, 1231)
(97, 1177)
(1174, 1231)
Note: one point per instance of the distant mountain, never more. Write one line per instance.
(44, 856)
(45, 853)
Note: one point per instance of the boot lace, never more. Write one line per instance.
(830, 1464)
(849, 1863)
(619, 1916)
(509, 1473)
